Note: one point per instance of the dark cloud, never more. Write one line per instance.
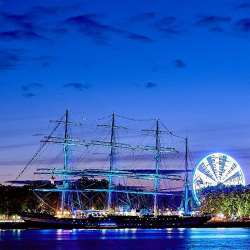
(77, 86)
(31, 86)
(243, 25)
(243, 5)
(180, 64)
(28, 25)
(31, 90)
(24, 21)
(91, 27)
(19, 34)
(213, 20)
(213, 23)
(150, 85)
(147, 85)
(138, 37)
(28, 95)
(19, 26)
(168, 26)
(9, 58)
(146, 16)
(27, 19)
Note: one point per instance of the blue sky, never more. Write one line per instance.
(186, 62)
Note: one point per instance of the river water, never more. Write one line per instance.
(131, 239)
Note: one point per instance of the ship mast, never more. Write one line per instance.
(111, 161)
(157, 166)
(157, 149)
(186, 188)
(112, 143)
(66, 160)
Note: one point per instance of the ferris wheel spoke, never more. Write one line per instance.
(216, 164)
(233, 180)
(205, 178)
(232, 174)
(210, 170)
(222, 165)
(228, 170)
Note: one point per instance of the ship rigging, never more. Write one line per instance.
(68, 174)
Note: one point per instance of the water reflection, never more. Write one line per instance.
(121, 239)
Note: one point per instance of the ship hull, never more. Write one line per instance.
(33, 221)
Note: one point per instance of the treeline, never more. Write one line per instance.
(14, 200)
(229, 201)
(18, 199)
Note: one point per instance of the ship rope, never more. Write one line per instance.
(37, 153)
(45, 203)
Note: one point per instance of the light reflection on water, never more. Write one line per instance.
(121, 239)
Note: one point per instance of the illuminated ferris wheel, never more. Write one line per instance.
(216, 169)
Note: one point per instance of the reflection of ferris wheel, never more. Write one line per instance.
(216, 169)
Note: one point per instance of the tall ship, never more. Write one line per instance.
(89, 197)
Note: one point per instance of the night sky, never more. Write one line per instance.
(185, 62)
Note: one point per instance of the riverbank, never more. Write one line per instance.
(210, 224)
(227, 224)
(13, 225)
